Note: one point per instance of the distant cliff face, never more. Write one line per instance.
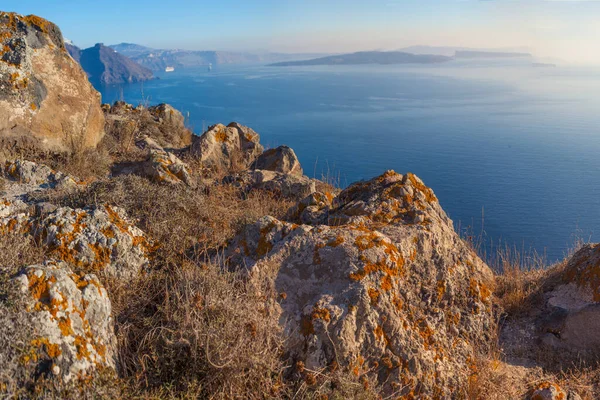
(106, 66)
(370, 57)
(46, 100)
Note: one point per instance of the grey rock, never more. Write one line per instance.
(401, 299)
(71, 317)
(281, 159)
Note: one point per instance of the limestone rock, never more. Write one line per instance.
(312, 210)
(290, 186)
(222, 147)
(160, 165)
(30, 173)
(166, 167)
(71, 317)
(162, 123)
(168, 115)
(95, 239)
(281, 159)
(547, 391)
(386, 289)
(572, 316)
(46, 99)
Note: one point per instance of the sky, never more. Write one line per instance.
(564, 29)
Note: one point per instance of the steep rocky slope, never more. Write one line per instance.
(105, 66)
(46, 100)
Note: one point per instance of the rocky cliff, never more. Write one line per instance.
(106, 66)
(46, 100)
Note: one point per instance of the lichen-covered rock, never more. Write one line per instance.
(290, 186)
(46, 99)
(547, 391)
(166, 167)
(162, 123)
(312, 210)
(95, 239)
(27, 172)
(160, 165)
(220, 147)
(167, 114)
(71, 318)
(281, 159)
(571, 320)
(386, 289)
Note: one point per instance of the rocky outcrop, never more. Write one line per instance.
(168, 115)
(384, 287)
(277, 183)
(224, 147)
(95, 239)
(46, 100)
(281, 159)
(161, 123)
(105, 66)
(551, 391)
(71, 318)
(571, 320)
(160, 166)
(32, 174)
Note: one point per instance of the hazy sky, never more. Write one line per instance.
(569, 29)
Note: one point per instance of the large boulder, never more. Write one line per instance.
(223, 147)
(384, 287)
(281, 159)
(46, 100)
(571, 319)
(162, 123)
(34, 174)
(160, 166)
(70, 315)
(98, 239)
(277, 183)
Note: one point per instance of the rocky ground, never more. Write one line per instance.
(160, 264)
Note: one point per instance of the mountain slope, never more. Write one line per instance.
(106, 66)
(370, 57)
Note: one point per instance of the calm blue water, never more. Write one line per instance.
(519, 146)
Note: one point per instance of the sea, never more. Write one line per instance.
(511, 150)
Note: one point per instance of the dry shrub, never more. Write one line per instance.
(179, 218)
(199, 331)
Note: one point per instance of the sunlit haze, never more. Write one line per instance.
(567, 29)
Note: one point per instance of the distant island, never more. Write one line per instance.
(159, 59)
(370, 57)
(489, 54)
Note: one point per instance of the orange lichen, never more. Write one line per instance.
(33, 107)
(64, 324)
(321, 313)
(335, 242)
(386, 283)
(39, 23)
(52, 349)
(81, 346)
(479, 290)
(560, 394)
(221, 135)
(429, 196)
(374, 296)
(441, 289)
